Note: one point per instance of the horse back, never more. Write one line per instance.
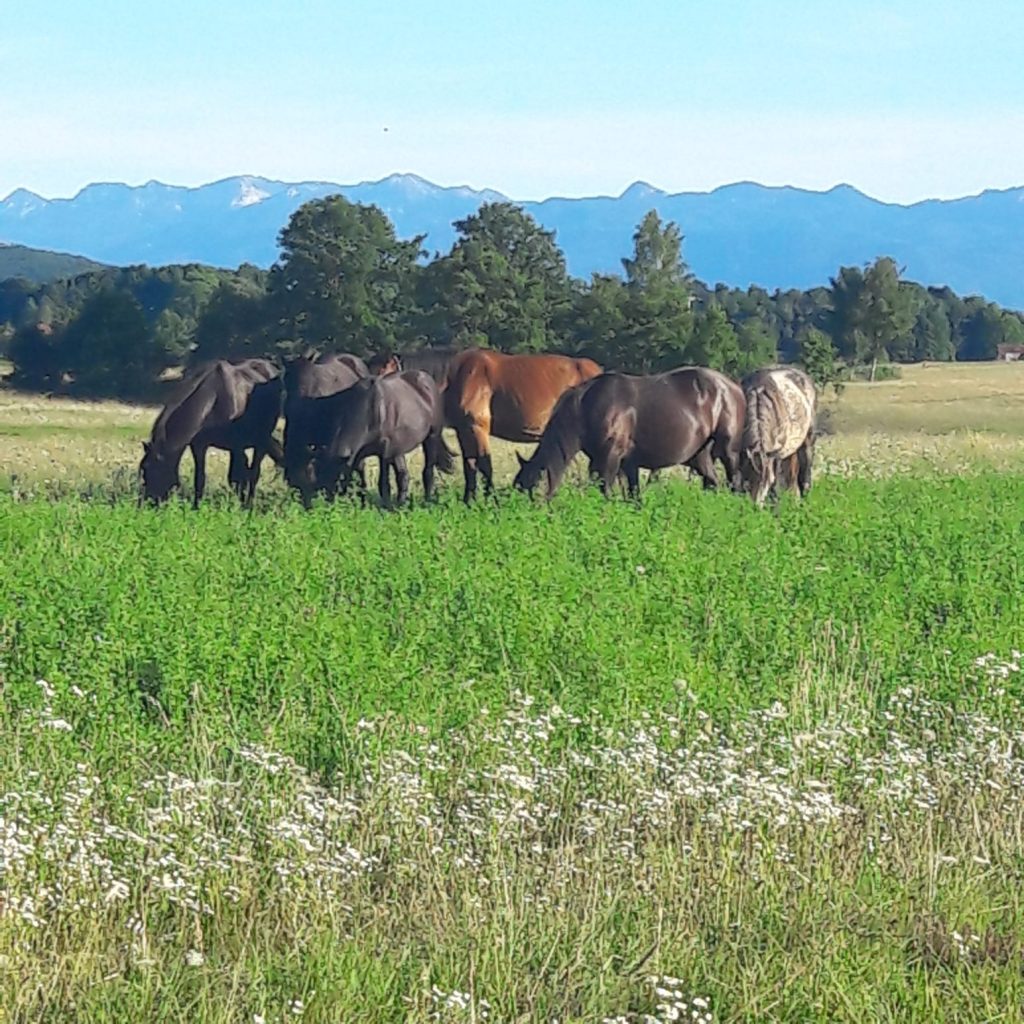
(781, 407)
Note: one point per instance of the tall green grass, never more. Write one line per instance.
(519, 762)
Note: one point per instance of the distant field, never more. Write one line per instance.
(582, 762)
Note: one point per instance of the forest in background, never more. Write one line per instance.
(345, 281)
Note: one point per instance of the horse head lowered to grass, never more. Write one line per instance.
(228, 405)
(623, 423)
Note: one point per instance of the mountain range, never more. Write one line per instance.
(739, 234)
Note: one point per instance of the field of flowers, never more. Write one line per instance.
(578, 762)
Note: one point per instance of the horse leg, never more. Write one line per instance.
(384, 483)
(729, 454)
(429, 460)
(401, 479)
(238, 472)
(632, 472)
(472, 424)
(199, 458)
(258, 455)
(805, 457)
(705, 467)
(473, 439)
(610, 473)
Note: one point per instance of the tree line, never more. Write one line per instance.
(344, 281)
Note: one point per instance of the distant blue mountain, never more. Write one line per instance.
(738, 234)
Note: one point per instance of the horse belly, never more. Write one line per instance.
(666, 438)
(516, 418)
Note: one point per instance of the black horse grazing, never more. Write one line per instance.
(228, 405)
(307, 382)
(387, 417)
(623, 423)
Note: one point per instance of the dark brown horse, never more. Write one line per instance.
(307, 382)
(778, 438)
(623, 423)
(435, 361)
(386, 417)
(228, 405)
(508, 396)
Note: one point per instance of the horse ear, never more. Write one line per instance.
(522, 461)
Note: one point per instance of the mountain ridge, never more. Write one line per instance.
(739, 233)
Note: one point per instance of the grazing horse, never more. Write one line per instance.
(626, 423)
(307, 382)
(228, 405)
(509, 396)
(386, 416)
(779, 431)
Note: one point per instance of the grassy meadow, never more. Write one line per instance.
(578, 762)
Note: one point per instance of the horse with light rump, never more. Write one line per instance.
(387, 417)
(624, 423)
(508, 396)
(307, 382)
(227, 405)
(779, 431)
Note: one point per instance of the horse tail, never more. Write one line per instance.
(758, 423)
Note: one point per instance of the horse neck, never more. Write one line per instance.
(560, 442)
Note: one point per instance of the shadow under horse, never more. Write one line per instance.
(231, 405)
(624, 423)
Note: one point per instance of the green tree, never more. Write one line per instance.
(871, 311)
(757, 347)
(234, 324)
(933, 335)
(818, 357)
(984, 329)
(109, 348)
(659, 330)
(344, 281)
(715, 343)
(34, 351)
(599, 321)
(504, 284)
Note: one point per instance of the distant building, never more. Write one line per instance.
(1009, 353)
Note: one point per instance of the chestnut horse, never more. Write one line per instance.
(782, 405)
(229, 405)
(508, 396)
(626, 423)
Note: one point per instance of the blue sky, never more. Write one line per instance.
(903, 100)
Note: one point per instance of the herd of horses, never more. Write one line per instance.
(340, 411)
